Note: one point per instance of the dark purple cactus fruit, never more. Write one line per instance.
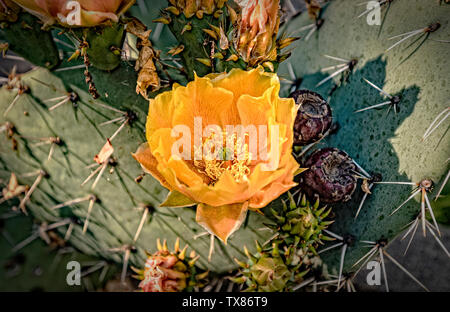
(313, 117)
(331, 176)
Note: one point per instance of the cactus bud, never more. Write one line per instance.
(167, 271)
(257, 30)
(313, 117)
(330, 176)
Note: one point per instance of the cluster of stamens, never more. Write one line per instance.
(214, 162)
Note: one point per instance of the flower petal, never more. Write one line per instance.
(221, 221)
(149, 163)
(253, 82)
(177, 199)
(200, 98)
(273, 190)
(256, 110)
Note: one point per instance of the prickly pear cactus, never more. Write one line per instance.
(70, 127)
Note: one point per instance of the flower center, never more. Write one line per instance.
(216, 156)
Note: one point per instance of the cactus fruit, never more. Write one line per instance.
(72, 124)
(313, 119)
(331, 176)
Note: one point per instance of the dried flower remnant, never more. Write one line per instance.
(148, 76)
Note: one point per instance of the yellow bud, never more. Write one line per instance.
(163, 20)
(173, 10)
(199, 14)
(218, 13)
(202, 275)
(182, 254)
(218, 55)
(220, 3)
(192, 262)
(204, 61)
(283, 43)
(215, 28)
(158, 244)
(269, 65)
(233, 58)
(186, 27)
(247, 253)
(211, 33)
(190, 8)
(74, 55)
(233, 14)
(176, 50)
(207, 6)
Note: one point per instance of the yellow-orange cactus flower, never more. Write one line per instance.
(186, 128)
(257, 30)
(83, 13)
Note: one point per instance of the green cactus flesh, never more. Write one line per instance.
(386, 144)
